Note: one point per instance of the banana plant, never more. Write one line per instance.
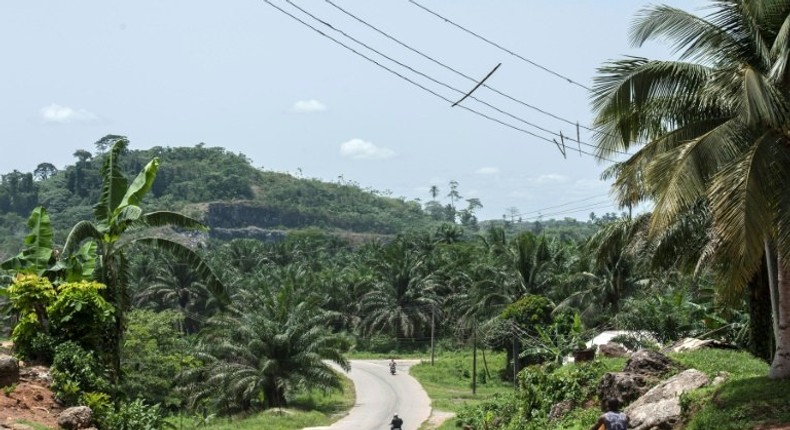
(119, 224)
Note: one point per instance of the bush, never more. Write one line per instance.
(76, 371)
(81, 314)
(135, 415)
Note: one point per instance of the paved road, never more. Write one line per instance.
(380, 395)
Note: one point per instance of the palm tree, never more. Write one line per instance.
(434, 192)
(401, 297)
(177, 286)
(272, 344)
(716, 127)
(120, 224)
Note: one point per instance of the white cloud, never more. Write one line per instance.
(308, 106)
(487, 171)
(360, 149)
(66, 115)
(551, 178)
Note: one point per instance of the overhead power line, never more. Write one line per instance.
(566, 204)
(424, 88)
(544, 68)
(568, 211)
(459, 73)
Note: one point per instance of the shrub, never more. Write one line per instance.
(75, 371)
(135, 415)
(81, 314)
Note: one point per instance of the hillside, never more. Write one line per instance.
(210, 183)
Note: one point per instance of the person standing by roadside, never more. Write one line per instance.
(612, 418)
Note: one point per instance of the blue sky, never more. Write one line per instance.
(245, 76)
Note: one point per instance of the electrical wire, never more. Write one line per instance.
(436, 81)
(435, 61)
(565, 204)
(424, 88)
(544, 68)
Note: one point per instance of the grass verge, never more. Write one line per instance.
(449, 381)
(308, 409)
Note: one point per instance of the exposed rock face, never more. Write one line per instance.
(646, 362)
(624, 386)
(659, 408)
(612, 349)
(9, 370)
(78, 417)
(250, 232)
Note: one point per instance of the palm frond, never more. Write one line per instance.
(742, 207)
(213, 284)
(692, 36)
(627, 98)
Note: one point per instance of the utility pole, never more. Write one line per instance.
(433, 328)
(515, 373)
(474, 360)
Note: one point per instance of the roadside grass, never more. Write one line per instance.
(449, 381)
(34, 426)
(746, 399)
(309, 409)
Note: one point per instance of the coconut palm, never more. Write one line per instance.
(119, 225)
(716, 129)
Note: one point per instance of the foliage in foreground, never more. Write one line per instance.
(745, 400)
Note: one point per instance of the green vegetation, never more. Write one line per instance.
(449, 381)
(746, 399)
(241, 282)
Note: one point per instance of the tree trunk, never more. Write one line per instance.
(761, 328)
(780, 367)
(773, 284)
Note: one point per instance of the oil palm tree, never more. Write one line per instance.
(272, 344)
(119, 224)
(402, 296)
(713, 127)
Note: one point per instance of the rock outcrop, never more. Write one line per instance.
(659, 408)
(9, 370)
(78, 417)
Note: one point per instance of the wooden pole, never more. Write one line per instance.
(433, 328)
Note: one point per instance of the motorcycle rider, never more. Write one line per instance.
(396, 423)
(392, 366)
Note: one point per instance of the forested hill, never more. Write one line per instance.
(210, 183)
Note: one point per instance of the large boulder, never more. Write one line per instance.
(612, 349)
(659, 408)
(9, 370)
(624, 386)
(78, 417)
(647, 362)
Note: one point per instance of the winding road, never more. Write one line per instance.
(380, 395)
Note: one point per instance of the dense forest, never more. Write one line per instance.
(125, 277)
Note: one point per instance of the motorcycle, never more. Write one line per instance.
(392, 368)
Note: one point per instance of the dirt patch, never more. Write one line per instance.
(30, 400)
(436, 419)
